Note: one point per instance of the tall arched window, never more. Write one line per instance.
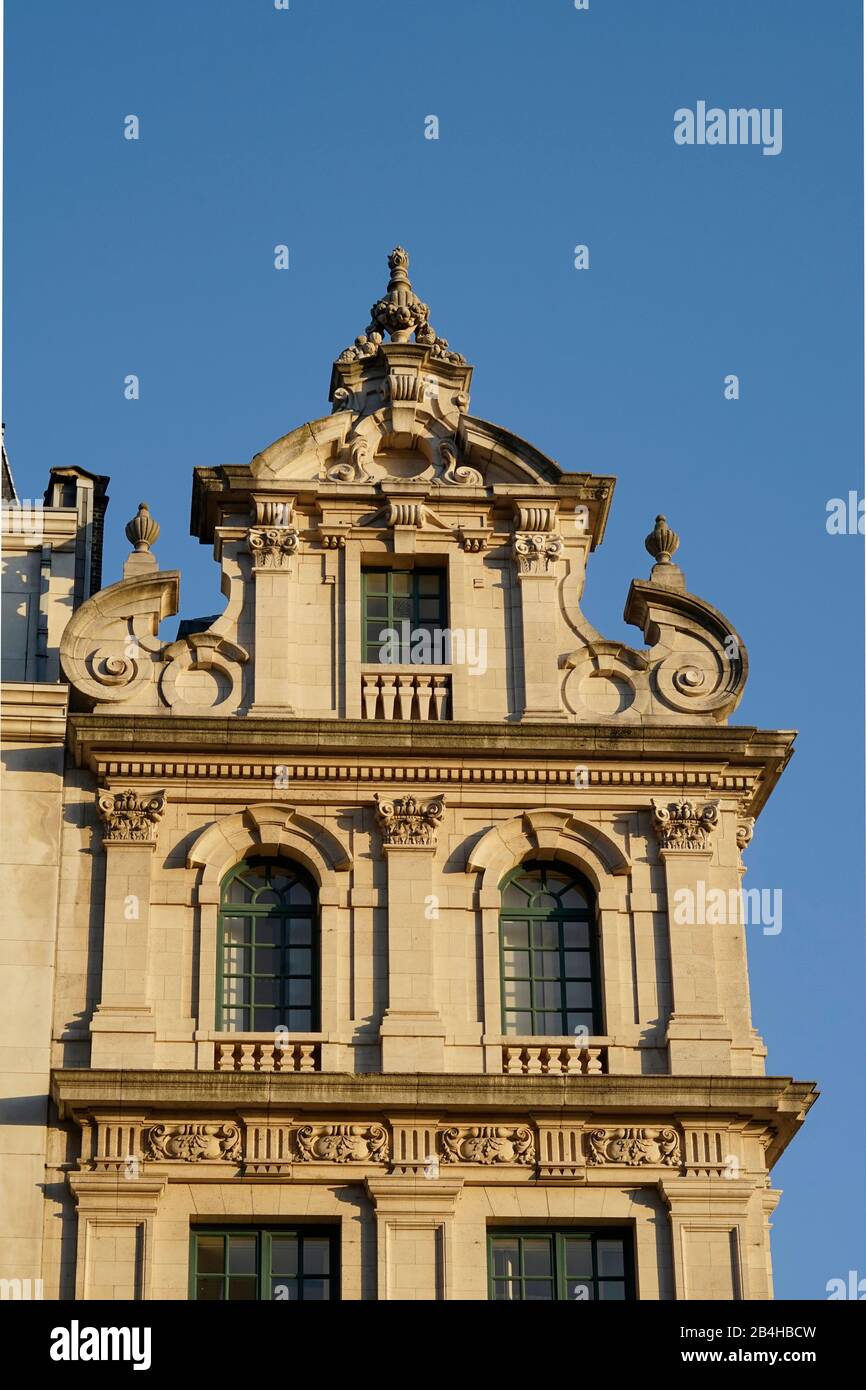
(268, 949)
(548, 953)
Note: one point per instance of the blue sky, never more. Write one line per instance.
(306, 127)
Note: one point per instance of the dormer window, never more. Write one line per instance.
(404, 616)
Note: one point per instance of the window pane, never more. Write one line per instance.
(316, 1256)
(300, 992)
(301, 1019)
(284, 1290)
(506, 1290)
(538, 1257)
(242, 1290)
(265, 1020)
(506, 1256)
(267, 991)
(267, 960)
(299, 894)
(300, 961)
(581, 1290)
(428, 608)
(377, 608)
(300, 931)
(578, 965)
(547, 996)
(210, 1254)
(549, 1025)
(268, 931)
(234, 1020)
(237, 990)
(402, 609)
(209, 1290)
(284, 1255)
(537, 1289)
(584, 1021)
(236, 931)
(236, 960)
(401, 582)
(517, 994)
(573, 897)
(316, 1290)
(575, 934)
(578, 1256)
(516, 963)
(578, 996)
(545, 934)
(519, 1025)
(429, 583)
(242, 1254)
(611, 1290)
(515, 933)
(546, 965)
(514, 897)
(611, 1258)
(237, 892)
(376, 581)
(267, 896)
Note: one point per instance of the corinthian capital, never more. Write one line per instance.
(128, 818)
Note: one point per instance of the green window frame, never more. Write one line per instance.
(548, 945)
(246, 1264)
(268, 948)
(390, 598)
(581, 1264)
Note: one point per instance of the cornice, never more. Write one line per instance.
(33, 712)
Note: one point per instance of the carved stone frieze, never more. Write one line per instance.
(193, 1143)
(129, 818)
(342, 1144)
(633, 1147)
(488, 1144)
(684, 824)
(536, 552)
(406, 821)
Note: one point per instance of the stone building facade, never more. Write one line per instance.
(378, 954)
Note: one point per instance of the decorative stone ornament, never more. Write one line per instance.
(142, 532)
(405, 821)
(342, 1144)
(272, 547)
(488, 1144)
(662, 543)
(193, 1143)
(745, 829)
(128, 818)
(683, 824)
(536, 553)
(399, 313)
(634, 1147)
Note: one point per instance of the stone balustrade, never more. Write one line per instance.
(273, 1054)
(521, 1058)
(405, 694)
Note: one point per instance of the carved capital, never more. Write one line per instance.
(128, 818)
(745, 830)
(684, 824)
(634, 1147)
(536, 552)
(405, 821)
(273, 546)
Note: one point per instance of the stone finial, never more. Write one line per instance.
(662, 543)
(141, 533)
(399, 313)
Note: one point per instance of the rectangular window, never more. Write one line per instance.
(578, 1265)
(402, 613)
(284, 1264)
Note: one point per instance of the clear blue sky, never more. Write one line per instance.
(306, 127)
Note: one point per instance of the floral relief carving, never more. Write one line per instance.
(634, 1147)
(194, 1143)
(342, 1144)
(536, 552)
(488, 1144)
(128, 817)
(684, 824)
(405, 821)
(273, 546)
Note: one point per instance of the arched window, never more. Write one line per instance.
(268, 972)
(548, 953)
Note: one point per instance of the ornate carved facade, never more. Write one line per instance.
(361, 893)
